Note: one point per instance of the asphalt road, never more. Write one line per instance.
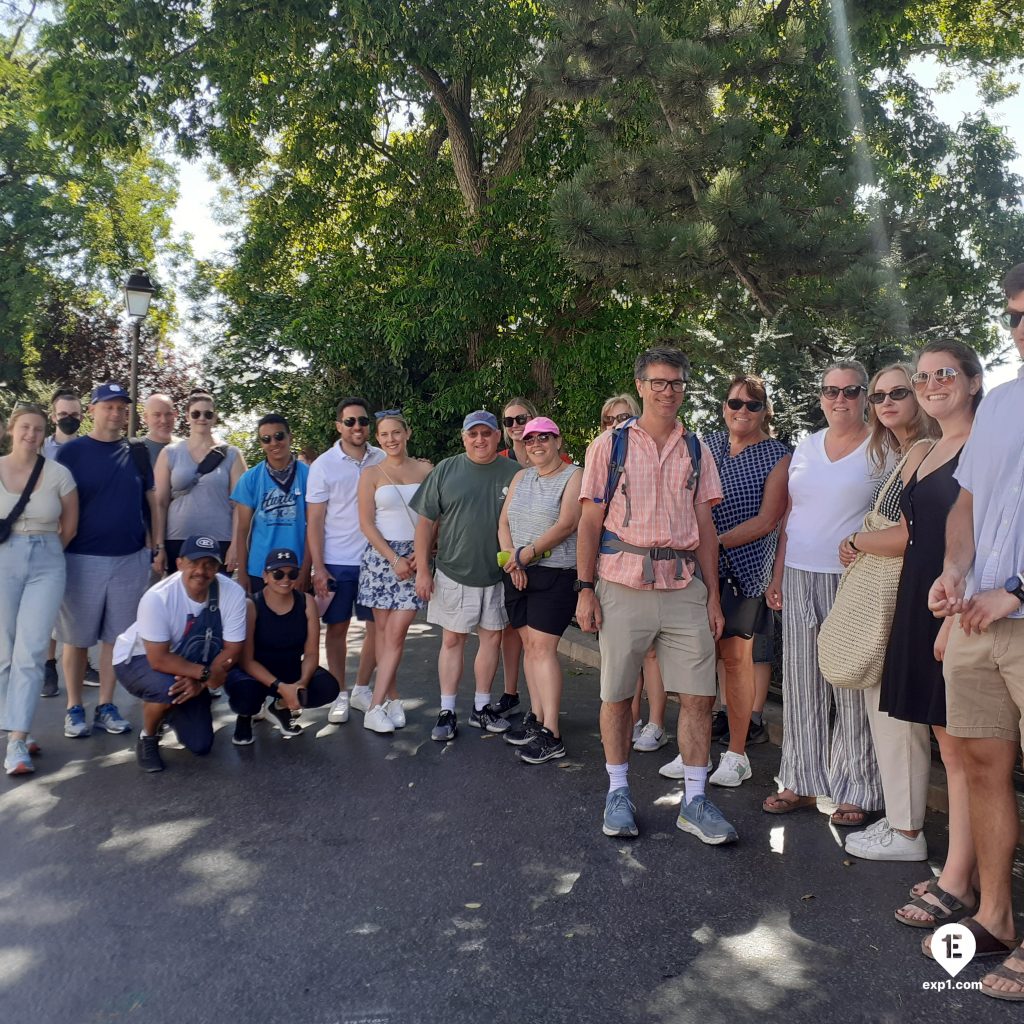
(348, 878)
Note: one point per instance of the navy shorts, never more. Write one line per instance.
(764, 644)
(346, 579)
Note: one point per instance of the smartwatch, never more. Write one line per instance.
(1015, 585)
(579, 585)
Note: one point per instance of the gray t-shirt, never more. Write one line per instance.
(467, 498)
(205, 507)
(154, 448)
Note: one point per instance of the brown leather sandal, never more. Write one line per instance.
(778, 804)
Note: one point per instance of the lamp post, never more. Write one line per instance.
(138, 290)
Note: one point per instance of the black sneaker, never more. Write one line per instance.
(544, 747)
(506, 705)
(446, 728)
(757, 733)
(92, 677)
(51, 687)
(147, 753)
(524, 732)
(486, 718)
(283, 717)
(243, 731)
(719, 724)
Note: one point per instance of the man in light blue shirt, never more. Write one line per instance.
(982, 581)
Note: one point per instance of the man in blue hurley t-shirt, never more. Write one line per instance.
(270, 505)
(108, 561)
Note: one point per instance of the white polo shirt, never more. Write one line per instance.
(334, 479)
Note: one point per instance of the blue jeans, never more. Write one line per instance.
(31, 589)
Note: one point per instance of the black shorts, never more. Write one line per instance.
(547, 604)
(764, 643)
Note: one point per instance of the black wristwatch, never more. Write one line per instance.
(579, 585)
(1015, 585)
(205, 674)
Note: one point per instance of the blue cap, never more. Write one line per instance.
(197, 547)
(480, 418)
(279, 558)
(109, 392)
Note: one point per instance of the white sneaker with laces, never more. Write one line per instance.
(732, 770)
(878, 826)
(887, 844)
(361, 698)
(638, 728)
(675, 769)
(652, 737)
(339, 709)
(377, 720)
(395, 712)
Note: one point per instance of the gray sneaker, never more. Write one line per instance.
(618, 814)
(446, 728)
(701, 818)
(109, 719)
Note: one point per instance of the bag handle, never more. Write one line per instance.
(26, 494)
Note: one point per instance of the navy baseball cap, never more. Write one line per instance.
(109, 392)
(197, 547)
(279, 558)
(480, 418)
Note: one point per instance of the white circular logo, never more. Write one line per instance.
(115, 387)
(205, 542)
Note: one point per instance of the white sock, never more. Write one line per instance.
(361, 689)
(617, 775)
(447, 703)
(694, 780)
(481, 700)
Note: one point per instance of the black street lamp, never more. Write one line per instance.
(138, 290)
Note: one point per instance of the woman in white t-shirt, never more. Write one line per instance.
(32, 570)
(831, 482)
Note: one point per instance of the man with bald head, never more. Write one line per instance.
(160, 415)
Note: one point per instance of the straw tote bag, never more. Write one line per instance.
(855, 633)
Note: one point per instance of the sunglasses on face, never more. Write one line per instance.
(737, 403)
(278, 435)
(943, 376)
(897, 395)
(543, 438)
(522, 419)
(1011, 319)
(850, 391)
(202, 414)
(608, 421)
(280, 574)
(351, 421)
(660, 384)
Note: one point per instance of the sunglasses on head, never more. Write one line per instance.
(737, 403)
(280, 574)
(607, 421)
(278, 435)
(1011, 319)
(351, 421)
(543, 437)
(850, 391)
(202, 414)
(897, 395)
(522, 419)
(943, 376)
(385, 413)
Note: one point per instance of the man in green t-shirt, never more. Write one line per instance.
(464, 495)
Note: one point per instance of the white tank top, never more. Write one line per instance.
(394, 518)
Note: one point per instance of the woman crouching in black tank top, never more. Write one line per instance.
(281, 657)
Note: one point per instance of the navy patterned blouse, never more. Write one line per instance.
(743, 480)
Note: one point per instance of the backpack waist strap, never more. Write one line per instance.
(611, 543)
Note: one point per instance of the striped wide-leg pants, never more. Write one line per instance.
(848, 774)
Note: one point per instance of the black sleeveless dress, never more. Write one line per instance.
(913, 689)
(279, 640)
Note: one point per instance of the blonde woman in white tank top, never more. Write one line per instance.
(387, 576)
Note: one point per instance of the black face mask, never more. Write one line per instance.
(69, 424)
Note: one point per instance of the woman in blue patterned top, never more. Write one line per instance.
(754, 469)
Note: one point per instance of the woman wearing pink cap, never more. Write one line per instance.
(537, 530)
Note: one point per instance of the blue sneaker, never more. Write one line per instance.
(109, 719)
(75, 724)
(618, 814)
(701, 818)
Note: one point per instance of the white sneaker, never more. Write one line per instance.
(395, 712)
(675, 768)
(887, 844)
(878, 826)
(732, 770)
(377, 720)
(339, 709)
(361, 698)
(638, 728)
(652, 737)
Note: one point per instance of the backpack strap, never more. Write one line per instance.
(693, 447)
(617, 466)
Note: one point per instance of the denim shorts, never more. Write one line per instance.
(346, 579)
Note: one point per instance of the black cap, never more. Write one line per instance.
(198, 546)
(279, 558)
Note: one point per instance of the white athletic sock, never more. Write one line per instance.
(481, 700)
(448, 703)
(361, 689)
(694, 780)
(617, 775)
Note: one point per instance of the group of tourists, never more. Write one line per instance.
(677, 550)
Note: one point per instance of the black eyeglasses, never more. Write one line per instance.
(385, 413)
(660, 384)
(522, 419)
(1011, 319)
(280, 574)
(737, 403)
(202, 414)
(278, 435)
(897, 395)
(608, 421)
(351, 421)
(850, 391)
(544, 437)
(943, 376)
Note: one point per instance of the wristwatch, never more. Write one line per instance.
(1015, 585)
(205, 675)
(579, 585)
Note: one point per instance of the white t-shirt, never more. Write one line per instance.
(334, 478)
(164, 611)
(829, 503)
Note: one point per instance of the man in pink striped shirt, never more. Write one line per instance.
(655, 550)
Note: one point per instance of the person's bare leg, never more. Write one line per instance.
(636, 706)
(336, 646)
(511, 656)
(694, 730)
(762, 681)
(531, 689)
(485, 665)
(654, 684)
(616, 730)
(545, 674)
(738, 656)
(450, 661)
(152, 716)
(75, 660)
(108, 681)
(391, 628)
(367, 655)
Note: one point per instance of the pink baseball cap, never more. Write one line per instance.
(541, 425)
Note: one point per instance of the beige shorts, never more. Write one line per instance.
(674, 622)
(984, 675)
(459, 608)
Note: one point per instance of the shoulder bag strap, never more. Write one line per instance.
(26, 494)
(897, 472)
(408, 511)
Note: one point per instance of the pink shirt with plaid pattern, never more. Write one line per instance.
(661, 499)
